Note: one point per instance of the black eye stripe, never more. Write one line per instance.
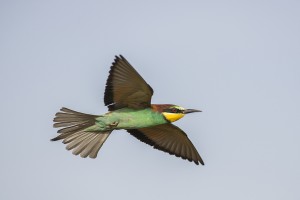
(173, 110)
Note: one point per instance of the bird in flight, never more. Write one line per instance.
(128, 98)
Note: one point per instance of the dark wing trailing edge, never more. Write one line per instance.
(125, 87)
(73, 134)
(168, 138)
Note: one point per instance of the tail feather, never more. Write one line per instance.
(77, 141)
(100, 140)
(73, 128)
(73, 124)
(87, 151)
(84, 144)
(71, 138)
(64, 124)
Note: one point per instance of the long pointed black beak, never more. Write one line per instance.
(186, 111)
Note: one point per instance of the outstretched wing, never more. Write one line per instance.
(168, 138)
(125, 87)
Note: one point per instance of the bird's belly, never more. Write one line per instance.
(135, 123)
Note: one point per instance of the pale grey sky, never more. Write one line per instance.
(238, 61)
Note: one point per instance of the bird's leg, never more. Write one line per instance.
(113, 125)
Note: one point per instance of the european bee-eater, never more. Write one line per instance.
(128, 98)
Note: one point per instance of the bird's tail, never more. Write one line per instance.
(72, 132)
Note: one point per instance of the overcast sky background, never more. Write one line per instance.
(238, 61)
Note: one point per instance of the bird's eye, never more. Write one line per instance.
(174, 110)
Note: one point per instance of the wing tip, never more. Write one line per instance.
(54, 139)
(119, 57)
(199, 161)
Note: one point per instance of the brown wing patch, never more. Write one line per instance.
(168, 138)
(125, 87)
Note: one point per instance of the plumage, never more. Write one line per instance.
(128, 98)
(168, 138)
(72, 137)
(99, 142)
(125, 87)
(73, 122)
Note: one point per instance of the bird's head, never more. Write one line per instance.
(172, 112)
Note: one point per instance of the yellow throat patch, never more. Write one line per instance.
(172, 117)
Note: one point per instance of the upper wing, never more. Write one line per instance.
(168, 138)
(125, 87)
